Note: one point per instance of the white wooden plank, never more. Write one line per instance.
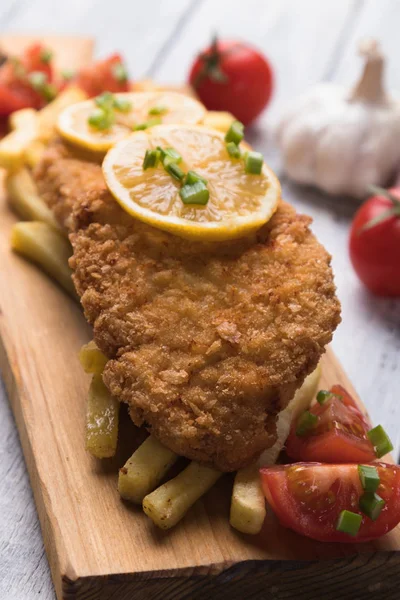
(136, 29)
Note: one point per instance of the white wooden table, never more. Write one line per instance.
(307, 42)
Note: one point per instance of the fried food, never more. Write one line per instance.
(208, 341)
(102, 417)
(92, 359)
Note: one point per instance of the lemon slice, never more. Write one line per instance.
(239, 203)
(169, 107)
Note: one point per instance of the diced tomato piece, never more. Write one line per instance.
(102, 76)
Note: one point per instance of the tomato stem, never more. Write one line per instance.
(393, 211)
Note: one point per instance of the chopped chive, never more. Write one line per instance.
(170, 153)
(147, 124)
(371, 505)
(369, 477)
(122, 105)
(46, 55)
(67, 74)
(349, 522)
(306, 423)
(193, 177)
(150, 159)
(158, 110)
(105, 100)
(253, 162)
(49, 92)
(380, 440)
(233, 150)
(100, 119)
(235, 132)
(173, 169)
(323, 396)
(38, 80)
(120, 73)
(196, 193)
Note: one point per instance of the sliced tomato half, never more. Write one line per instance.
(107, 75)
(310, 497)
(339, 434)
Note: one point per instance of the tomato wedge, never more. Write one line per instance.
(310, 497)
(338, 434)
(107, 75)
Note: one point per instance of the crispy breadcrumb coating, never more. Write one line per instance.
(207, 341)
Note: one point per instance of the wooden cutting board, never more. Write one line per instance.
(101, 548)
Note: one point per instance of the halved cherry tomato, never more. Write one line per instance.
(107, 75)
(309, 497)
(16, 89)
(338, 436)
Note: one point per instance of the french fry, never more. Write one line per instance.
(102, 418)
(24, 117)
(13, 145)
(47, 117)
(248, 503)
(92, 359)
(217, 119)
(24, 199)
(33, 153)
(144, 470)
(46, 247)
(169, 503)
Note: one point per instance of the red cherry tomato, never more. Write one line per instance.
(16, 89)
(234, 77)
(375, 250)
(107, 75)
(338, 436)
(309, 497)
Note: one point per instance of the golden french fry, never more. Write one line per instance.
(92, 359)
(13, 145)
(144, 470)
(33, 153)
(169, 503)
(24, 199)
(46, 247)
(101, 420)
(47, 117)
(217, 119)
(22, 118)
(248, 501)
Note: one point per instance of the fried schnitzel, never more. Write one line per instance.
(207, 341)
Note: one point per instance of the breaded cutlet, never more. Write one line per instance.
(207, 342)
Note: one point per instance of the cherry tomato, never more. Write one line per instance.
(309, 497)
(232, 76)
(16, 89)
(338, 436)
(107, 75)
(375, 248)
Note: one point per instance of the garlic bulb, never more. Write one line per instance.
(341, 141)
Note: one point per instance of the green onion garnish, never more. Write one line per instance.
(105, 100)
(67, 74)
(150, 159)
(38, 80)
(371, 505)
(120, 73)
(323, 396)
(369, 477)
(172, 167)
(349, 522)
(158, 110)
(380, 440)
(235, 132)
(169, 153)
(46, 56)
(101, 119)
(306, 423)
(193, 177)
(233, 150)
(253, 162)
(196, 193)
(49, 92)
(146, 124)
(122, 105)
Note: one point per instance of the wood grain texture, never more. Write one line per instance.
(89, 534)
(306, 43)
